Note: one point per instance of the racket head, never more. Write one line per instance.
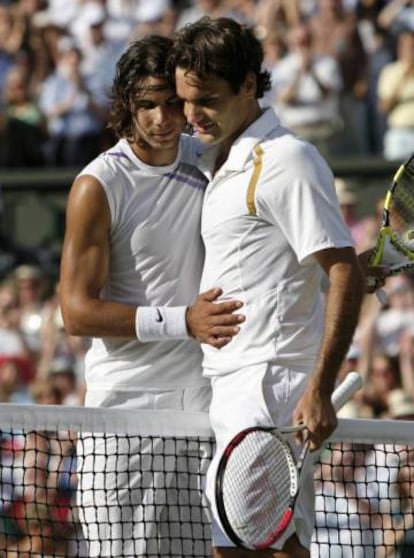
(395, 242)
(256, 486)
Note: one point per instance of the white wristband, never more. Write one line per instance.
(160, 323)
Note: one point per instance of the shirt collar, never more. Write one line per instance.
(242, 149)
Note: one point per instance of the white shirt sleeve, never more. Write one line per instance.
(299, 197)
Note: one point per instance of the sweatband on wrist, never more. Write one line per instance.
(158, 323)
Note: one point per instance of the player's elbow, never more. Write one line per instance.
(73, 315)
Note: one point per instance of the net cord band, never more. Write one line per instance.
(170, 423)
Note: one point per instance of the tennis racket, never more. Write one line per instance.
(258, 479)
(395, 242)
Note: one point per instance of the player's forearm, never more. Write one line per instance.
(341, 317)
(98, 318)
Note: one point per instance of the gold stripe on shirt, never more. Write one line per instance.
(257, 163)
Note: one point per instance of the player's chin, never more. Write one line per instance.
(208, 139)
(165, 142)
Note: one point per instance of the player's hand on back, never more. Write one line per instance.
(214, 323)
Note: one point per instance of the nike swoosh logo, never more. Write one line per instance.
(159, 317)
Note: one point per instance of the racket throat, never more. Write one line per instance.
(393, 251)
(281, 528)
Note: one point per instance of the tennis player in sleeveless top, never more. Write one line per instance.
(130, 275)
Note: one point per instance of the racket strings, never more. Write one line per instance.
(401, 211)
(257, 486)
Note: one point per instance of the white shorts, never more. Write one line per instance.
(260, 395)
(134, 500)
(196, 398)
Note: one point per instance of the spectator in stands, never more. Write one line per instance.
(336, 34)
(31, 286)
(306, 89)
(395, 319)
(75, 110)
(396, 99)
(37, 537)
(122, 19)
(380, 54)
(155, 18)
(45, 392)
(44, 42)
(25, 125)
(397, 16)
(99, 53)
(364, 230)
(400, 405)
(62, 13)
(345, 516)
(383, 377)
(57, 344)
(399, 535)
(63, 376)
(15, 375)
(12, 340)
(11, 38)
(406, 358)
(277, 15)
(200, 8)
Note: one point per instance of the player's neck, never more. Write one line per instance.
(226, 145)
(154, 157)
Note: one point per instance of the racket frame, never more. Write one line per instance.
(340, 396)
(295, 467)
(386, 231)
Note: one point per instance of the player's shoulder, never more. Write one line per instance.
(284, 147)
(109, 161)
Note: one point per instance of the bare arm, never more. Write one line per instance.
(85, 265)
(84, 272)
(341, 315)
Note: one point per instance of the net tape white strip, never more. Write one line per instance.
(113, 421)
(176, 423)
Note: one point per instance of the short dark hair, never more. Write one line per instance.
(222, 47)
(144, 58)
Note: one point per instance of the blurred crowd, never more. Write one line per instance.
(342, 70)
(343, 77)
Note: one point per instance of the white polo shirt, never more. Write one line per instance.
(267, 210)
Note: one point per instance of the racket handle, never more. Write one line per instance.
(346, 389)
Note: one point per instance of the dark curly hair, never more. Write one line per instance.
(222, 47)
(143, 58)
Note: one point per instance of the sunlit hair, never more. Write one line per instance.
(144, 58)
(221, 47)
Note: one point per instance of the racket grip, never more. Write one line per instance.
(346, 389)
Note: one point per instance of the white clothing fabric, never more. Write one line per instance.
(263, 395)
(267, 210)
(156, 259)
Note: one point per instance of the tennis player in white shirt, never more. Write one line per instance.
(130, 275)
(271, 226)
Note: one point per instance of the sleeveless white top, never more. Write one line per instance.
(156, 260)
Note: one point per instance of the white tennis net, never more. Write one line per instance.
(77, 481)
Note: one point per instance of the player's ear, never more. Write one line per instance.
(250, 85)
